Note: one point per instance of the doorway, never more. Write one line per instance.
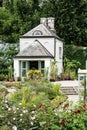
(33, 65)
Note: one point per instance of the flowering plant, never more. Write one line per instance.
(31, 109)
(34, 74)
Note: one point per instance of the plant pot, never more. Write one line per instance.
(52, 80)
(11, 80)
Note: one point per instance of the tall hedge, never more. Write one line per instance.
(73, 52)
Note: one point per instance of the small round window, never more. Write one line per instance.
(37, 33)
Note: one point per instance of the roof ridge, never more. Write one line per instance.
(45, 48)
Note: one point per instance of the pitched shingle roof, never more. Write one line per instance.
(45, 32)
(36, 49)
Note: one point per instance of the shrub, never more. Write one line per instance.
(3, 91)
(3, 77)
(54, 71)
(22, 95)
(34, 74)
(74, 118)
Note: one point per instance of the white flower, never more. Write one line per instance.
(24, 111)
(14, 128)
(9, 109)
(32, 117)
(56, 114)
(17, 108)
(14, 108)
(6, 101)
(20, 103)
(34, 105)
(31, 123)
(20, 119)
(2, 107)
(7, 106)
(33, 112)
(14, 118)
(21, 114)
(42, 123)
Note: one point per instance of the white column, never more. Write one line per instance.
(16, 68)
(47, 67)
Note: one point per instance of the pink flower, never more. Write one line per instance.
(77, 111)
(62, 122)
(66, 105)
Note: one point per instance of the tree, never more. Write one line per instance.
(5, 23)
(7, 52)
(70, 19)
(22, 16)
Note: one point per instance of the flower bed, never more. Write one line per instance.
(39, 107)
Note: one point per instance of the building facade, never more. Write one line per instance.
(38, 48)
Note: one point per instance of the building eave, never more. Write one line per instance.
(17, 57)
(41, 37)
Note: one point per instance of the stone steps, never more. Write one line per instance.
(69, 90)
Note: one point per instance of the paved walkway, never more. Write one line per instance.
(70, 83)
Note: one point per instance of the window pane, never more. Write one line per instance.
(23, 72)
(42, 64)
(23, 64)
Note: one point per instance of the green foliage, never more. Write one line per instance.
(74, 58)
(70, 68)
(43, 116)
(54, 70)
(75, 54)
(7, 52)
(3, 91)
(3, 77)
(7, 27)
(35, 91)
(29, 109)
(22, 95)
(70, 19)
(19, 16)
(76, 118)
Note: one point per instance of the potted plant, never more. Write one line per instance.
(54, 71)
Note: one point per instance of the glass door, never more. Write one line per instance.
(24, 67)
